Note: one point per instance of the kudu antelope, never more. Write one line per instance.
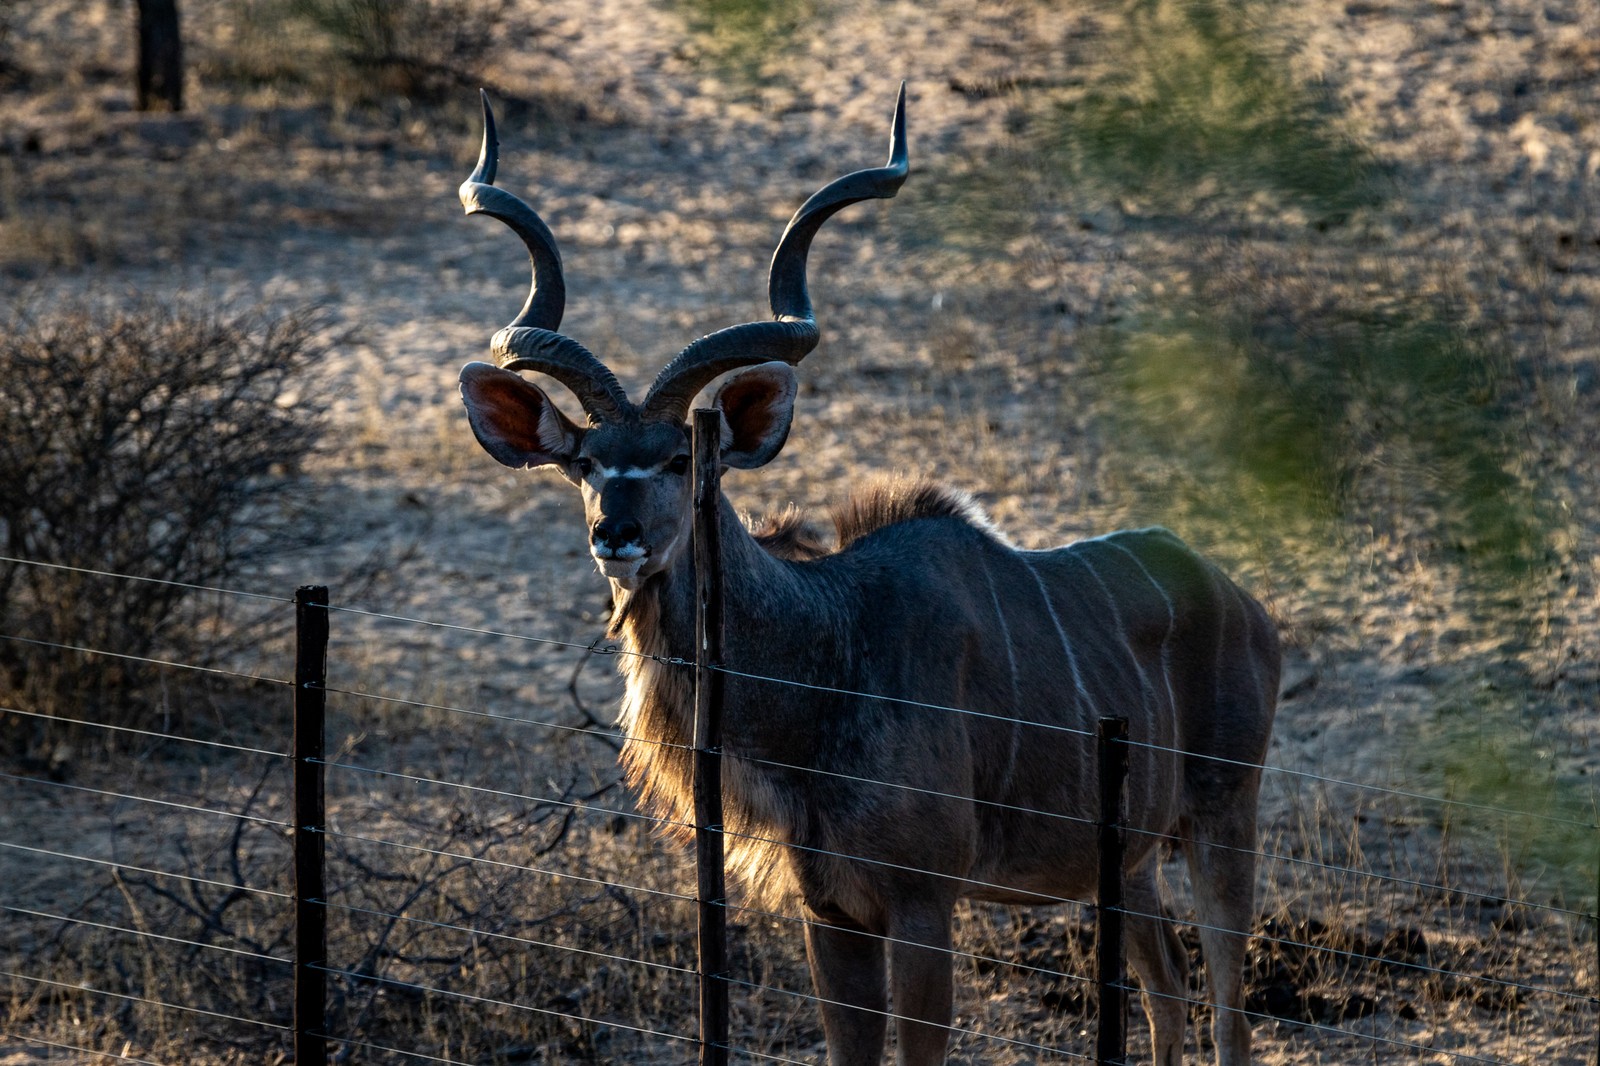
(874, 816)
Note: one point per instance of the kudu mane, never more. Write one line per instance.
(790, 535)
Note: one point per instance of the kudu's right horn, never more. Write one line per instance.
(793, 331)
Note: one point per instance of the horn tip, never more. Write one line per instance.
(489, 153)
(898, 154)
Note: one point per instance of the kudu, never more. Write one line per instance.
(875, 815)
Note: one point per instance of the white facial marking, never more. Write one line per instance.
(631, 552)
(609, 472)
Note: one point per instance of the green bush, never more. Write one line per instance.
(1202, 109)
(1276, 421)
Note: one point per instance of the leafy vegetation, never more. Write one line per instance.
(746, 39)
(1200, 107)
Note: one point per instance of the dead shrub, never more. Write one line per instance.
(158, 441)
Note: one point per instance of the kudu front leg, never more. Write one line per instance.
(848, 970)
(920, 971)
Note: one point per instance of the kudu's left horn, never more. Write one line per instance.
(531, 342)
(793, 331)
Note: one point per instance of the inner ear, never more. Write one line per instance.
(757, 407)
(514, 420)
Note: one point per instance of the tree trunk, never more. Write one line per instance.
(160, 56)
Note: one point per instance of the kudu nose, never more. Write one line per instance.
(614, 533)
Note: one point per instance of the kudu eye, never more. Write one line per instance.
(583, 465)
(679, 465)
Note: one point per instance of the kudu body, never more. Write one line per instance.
(975, 775)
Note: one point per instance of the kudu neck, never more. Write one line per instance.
(659, 616)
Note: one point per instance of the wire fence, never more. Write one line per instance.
(504, 902)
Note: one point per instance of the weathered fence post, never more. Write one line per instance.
(1111, 1047)
(708, 685)
(306, 752)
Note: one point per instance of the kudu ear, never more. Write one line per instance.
(757, 406)
(515, 421)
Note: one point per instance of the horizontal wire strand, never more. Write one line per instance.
(491, 1002)
(764, 1056)
(1331, 868)
(456, 1062)
(889, 1015)
(1168, 918)
(887, 784)
(216, 670)
(245, 749)
(1038, 898)
(422, 705)
(143, 933)
(146, 870)
(689, 971)
(509, 938)
(617, 650)
(145, 799)
(1043, 897)
(502, 864)
(953, 951)
(1423, 797)
(1394, 879)
(502, 794)
(82, 1050)
(1488, 808)
(1164, 837)
(1482, 978)
(1048, 898)
(1161, 836)
(609, 649)
(147, 1002)
(368, 1045)
(993, 804)
(1319, 1027)
(147, 580)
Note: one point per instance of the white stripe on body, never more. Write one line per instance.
(1016, 685)
(1066, 645)
(1146, 689)
(1172, 621)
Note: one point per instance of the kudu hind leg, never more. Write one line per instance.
(849, 970)
(1222, 868)
(1158, 957)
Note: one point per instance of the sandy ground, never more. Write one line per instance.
(666, 181)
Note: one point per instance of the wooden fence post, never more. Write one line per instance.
(1111, 1046)
(708, 686)
(306, 757)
